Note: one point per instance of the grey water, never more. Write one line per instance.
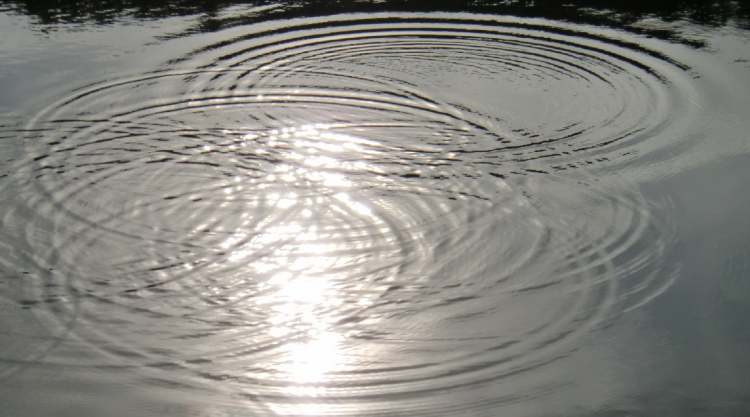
(394, 208)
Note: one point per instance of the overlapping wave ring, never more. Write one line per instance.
(547, 96)
(346, 218)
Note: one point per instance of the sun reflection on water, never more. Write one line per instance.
(318, 246)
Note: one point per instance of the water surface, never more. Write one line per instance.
(300, 209)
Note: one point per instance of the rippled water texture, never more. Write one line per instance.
(350, 216)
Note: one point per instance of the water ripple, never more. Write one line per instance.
(348, 218)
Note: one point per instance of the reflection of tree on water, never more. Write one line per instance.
(609, 12)
(104, 11)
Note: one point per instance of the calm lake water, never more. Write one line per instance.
(396, 208)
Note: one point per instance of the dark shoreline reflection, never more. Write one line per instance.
(616, 13)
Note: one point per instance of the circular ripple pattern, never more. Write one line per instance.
(342, 217)
(544, 96)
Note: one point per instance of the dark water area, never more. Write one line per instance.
(360, 208)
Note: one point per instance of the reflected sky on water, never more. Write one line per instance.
(374, 208)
